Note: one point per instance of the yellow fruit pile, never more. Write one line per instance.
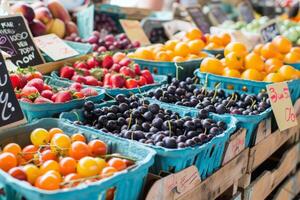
(264, 63)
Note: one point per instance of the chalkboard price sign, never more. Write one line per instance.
(16, 40)
(269, 31)
(201, 20)
(10, 110)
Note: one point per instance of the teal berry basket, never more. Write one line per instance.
(38, 111)
(295, 65)
(121, 181)
(211, 80)
(180, 70)
(158, 81)
(207, 157)
(216, 53)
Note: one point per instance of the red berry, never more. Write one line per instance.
(47, 94)
(67, 72)
(127, 72)
(63, 96)
(142, 81)
(93, 62)
(79, 79)
(37, 83)
(117, 81)
(137, 69)
(90, 80)
(29, 92)
(125, 61)
(15, 80)
(107, 62)
(89, 92)
(131, 83)
(18, 173)
(75, 87)
(147, 74)
(42, 100)
(107, 81)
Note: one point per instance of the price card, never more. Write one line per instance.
(10, 110)
(176, 26)
(200, 19)
(134, 31)
(281, 103)
(16, 40)
(54, 47)
(269, 31)
(85, 21)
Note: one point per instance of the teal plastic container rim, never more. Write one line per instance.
(98, 185)
(295, 65)
(55, 106)
(158, 80)
(214, 52)
(231, 127)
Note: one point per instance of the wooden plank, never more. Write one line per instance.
(259, 153)
(237, 196)
(221, 180)
(263, 130)
(262, 186)
(52, 66)
(289, 189)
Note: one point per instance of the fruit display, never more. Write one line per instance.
(109, 71)
(104, 23)
(137, 119)
(264, 63)
(186, 93)
(46, 18)
(55, 160)
(108, 43)
(30, 87)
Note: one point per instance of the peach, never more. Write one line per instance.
(37, 28)
(43, 14)
(71, 27)
(57, 27)
(58, 10)
(25, 10)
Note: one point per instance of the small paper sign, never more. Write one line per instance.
(10, 110)
(200, 19)
(175, 26)
(269, 31)
(54, 47)
(85, 22)
(134, 31)
(282, 106)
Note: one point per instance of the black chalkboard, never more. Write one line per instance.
(16, 40)
(200, 19)
(246, 12)
(269, 31)
(10, 110)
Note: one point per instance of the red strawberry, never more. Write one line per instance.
(78, 95)
(116, 67)
(137, 69)
(24, 99)
(29, 92)
(117, 81)
(90, 80)
(100, 83)
(147, 74)
(142, 81)
(41, 100)
(107, 62)
(80, 65)
(131, 83)
(82, 71)
(127, 72)
(67, 72)
(37, 83)
(93, 62)
(53, 97)
(47, 94)
(79, 79)
(32, 75)
(23, 80)
(117, 57)
(75, 87)
(15, 80)
(63, 96)
(107, 81)
(125, 61)
(47, 87)
(89, 92)
(18, 94)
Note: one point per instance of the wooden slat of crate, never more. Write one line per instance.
(221, 180)
(263, 185)
(263, 150)
(263, 130)
(289, 189)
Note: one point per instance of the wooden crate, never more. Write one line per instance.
(289, 189)
(268, 180)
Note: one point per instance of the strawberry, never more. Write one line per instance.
(131, 83)
(117, 81)
(79, 79)
(100, 83)
(117, 57)
(47, 94)
(142, 81)
(90, 80)
(47, 87)
(63, 96)
(29, 92)
(37, 83)
(67, 72)
(147, 74)
(24, 99)
(78, 95)
(116, 67)
(15, 80)
(23, 80)
(125, 61)
(82, 71)
(18, 94)
(127, 72)
(53, 97)
(80, 65)
(137, 69)
(97, 73)
(107, 62)
(41, 100)
(89, 92)
(93, 62)
(35, 74)
(75, 87)
(107, 81)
